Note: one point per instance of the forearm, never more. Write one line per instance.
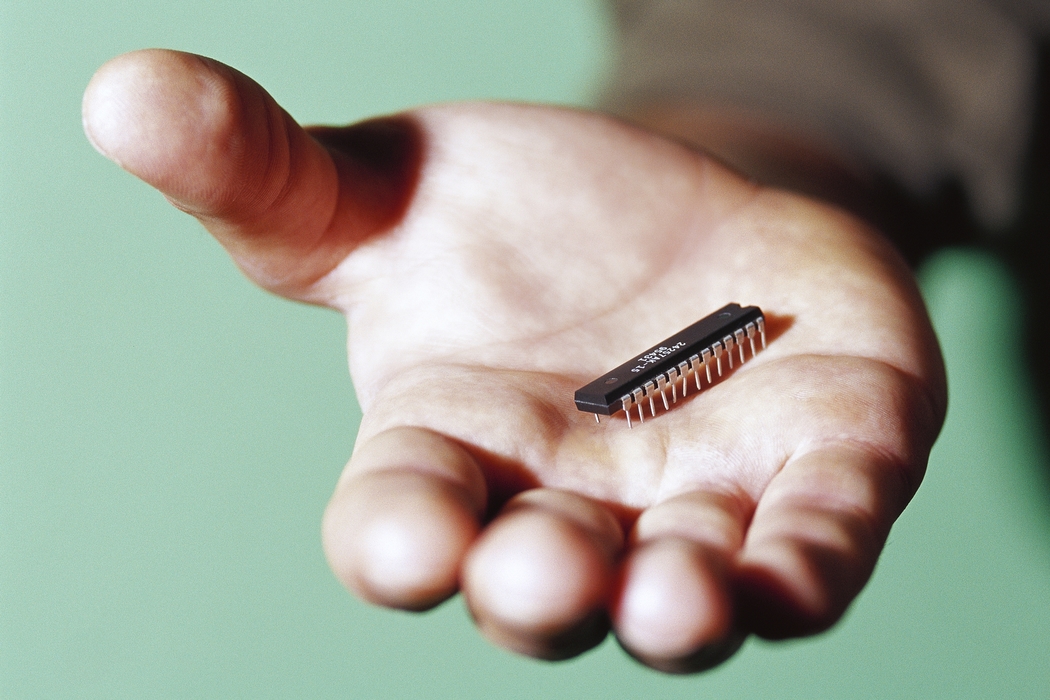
(907, 118)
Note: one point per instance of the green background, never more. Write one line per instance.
(169, 434)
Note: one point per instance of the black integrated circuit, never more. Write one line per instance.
(690, 351)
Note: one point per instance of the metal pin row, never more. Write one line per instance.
(701, 361)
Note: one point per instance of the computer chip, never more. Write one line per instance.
(688, 354)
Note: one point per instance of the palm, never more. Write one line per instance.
(514, 254)
(492, 303)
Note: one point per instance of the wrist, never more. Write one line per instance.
(766, 151)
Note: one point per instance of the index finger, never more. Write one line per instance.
(815, 537)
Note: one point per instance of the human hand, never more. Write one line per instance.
(490, 259)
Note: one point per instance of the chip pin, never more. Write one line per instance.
(762, 331)
(683, 369)
(637, 394)
(707, 366)
(672, 378)
(750, 329)
(626, 401)
(661, 385)
(728, 343)
(738, 335)
(650, 389)
(717, 348)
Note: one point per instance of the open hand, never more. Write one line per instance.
(490, 259)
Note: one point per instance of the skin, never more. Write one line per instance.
(490, 259)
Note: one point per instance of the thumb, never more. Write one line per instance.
(287, 205)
